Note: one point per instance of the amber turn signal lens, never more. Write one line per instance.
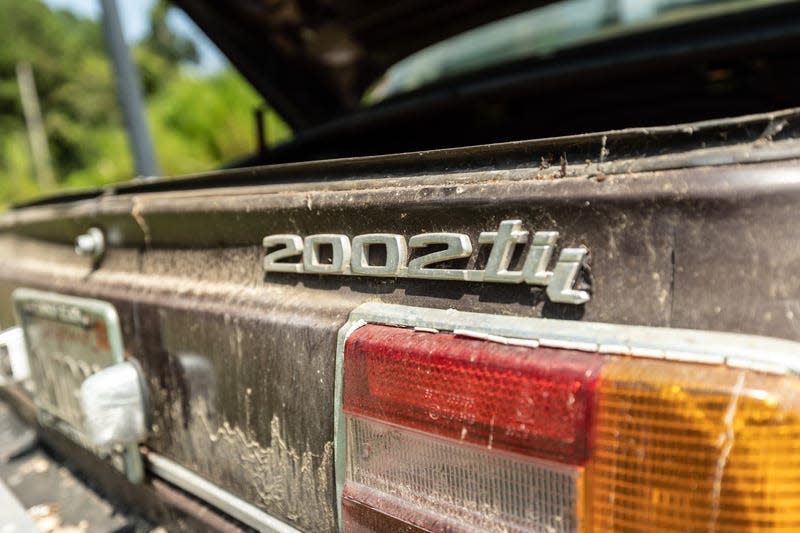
(689, 447)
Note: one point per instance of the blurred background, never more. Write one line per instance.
(61, 124)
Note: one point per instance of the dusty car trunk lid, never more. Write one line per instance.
(689, 227)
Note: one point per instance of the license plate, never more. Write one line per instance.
(68, 340)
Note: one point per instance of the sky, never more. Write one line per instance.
(134, 18)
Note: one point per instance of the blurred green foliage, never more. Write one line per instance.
(198, 121)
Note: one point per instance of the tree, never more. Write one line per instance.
(199, 122)
(72, 76)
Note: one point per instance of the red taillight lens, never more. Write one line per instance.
(537, 402)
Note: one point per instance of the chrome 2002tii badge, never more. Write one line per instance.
(344, 257)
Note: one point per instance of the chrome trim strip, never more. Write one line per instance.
(338, 420)
(226, 502)
(762, 354)
(741, 351)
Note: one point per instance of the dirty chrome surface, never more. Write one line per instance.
(213, 495)
(292, 253)
(684, 230)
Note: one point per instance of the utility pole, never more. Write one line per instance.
(129, 92)
(35, 126)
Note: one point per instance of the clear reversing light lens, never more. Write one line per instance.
(430, 481)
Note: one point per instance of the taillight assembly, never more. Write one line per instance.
(500, 428)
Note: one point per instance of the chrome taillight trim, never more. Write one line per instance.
(687, 345)
(223, 500)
